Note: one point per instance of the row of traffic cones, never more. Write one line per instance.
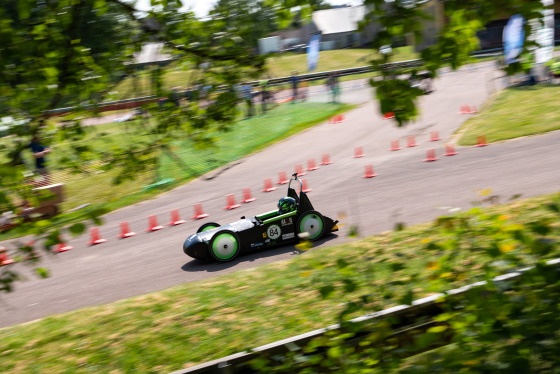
(450, 150)
(153, 225)
(411, 141)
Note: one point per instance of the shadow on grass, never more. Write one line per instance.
(212, 267)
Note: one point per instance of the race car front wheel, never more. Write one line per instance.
(208, 226)
(224, 246)
(311, 225)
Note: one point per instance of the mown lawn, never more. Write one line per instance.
(515, 112)
(198, 322)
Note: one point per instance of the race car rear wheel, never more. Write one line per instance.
(311, 224)
(208, 226)
(224, 246)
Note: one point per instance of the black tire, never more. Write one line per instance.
(208, 226)
(224, 246)
(312, 224)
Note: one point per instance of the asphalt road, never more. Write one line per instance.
(406, 190)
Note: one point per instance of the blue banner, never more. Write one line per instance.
(313, 48)
(513, 36)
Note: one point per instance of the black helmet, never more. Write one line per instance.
(286, 204)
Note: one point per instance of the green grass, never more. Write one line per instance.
(245, 137)
(198, 322)
(248, 136)
(515, 112)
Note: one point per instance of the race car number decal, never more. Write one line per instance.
(274, 231)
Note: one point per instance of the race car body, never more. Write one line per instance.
(224, 243)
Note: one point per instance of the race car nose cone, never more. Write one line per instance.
(195, 247)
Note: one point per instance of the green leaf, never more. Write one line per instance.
(397, 266)
(326, 291)
(407, 298)
(553, 207)
(399, 226)
(42, 272)
(50, 72)
(341, 263)
(77, 228)
(349, 285)
(437, 329)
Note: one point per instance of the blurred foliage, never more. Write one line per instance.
(62, 53)
(499, 326)
(455, 40)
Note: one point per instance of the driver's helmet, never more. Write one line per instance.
(286, 204)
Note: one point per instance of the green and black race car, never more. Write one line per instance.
(295, 219)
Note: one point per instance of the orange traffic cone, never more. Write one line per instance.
(326, 159)
(434, 136)
(369, 173)
(395, 145)
(95, 237)
(389, 115)
(125, 230)
(430, 155)
(339, 118)
(282, 178)
(4, 258)
(411, 142)
(311, 165)
(268, 187)
(198, 212)
(175, 219)
(247, 198)
(358, 152)
(231, 202)
(62, 247)
(299, 170)
(481, 141)
(153, 224)
(449, 150)
(304, 186)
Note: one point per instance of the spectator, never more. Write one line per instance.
(294, 80)
(334, 87)
(264, 95)
(39, 152)
(247, 95)
(302, 91)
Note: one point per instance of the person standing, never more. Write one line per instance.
(294, 80)
(247, 95)
(39, 152)
(264, 95)
(332, 84)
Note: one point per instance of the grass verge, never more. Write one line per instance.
(198, 322)
(515, 112)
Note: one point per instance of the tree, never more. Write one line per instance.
(71, 53)
(455, 41)
(252, 20)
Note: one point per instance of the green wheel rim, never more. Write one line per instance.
(209, 227)
(225, 246)
(312, 224)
